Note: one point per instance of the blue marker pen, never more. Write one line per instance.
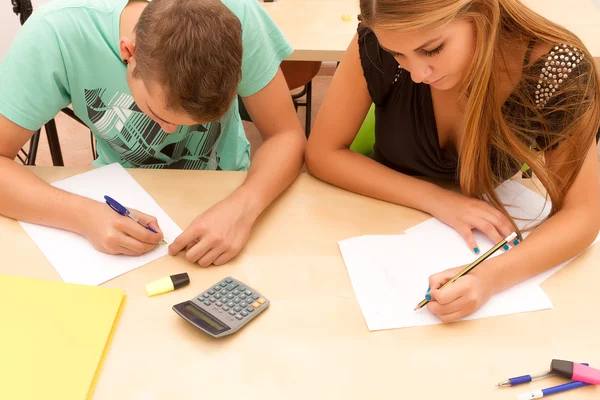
(538, 394)
(115, 205)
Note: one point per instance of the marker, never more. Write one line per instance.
(575, 371)
(538, 394)
(167, 284)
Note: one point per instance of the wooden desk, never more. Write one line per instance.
(315, 28)
(313, 343)
(317, 33)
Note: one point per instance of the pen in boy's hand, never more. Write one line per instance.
(115, 205)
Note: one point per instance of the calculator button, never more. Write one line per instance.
(218, 303)
(208, 303)
(232, 286)
(230, 296)
(255, 304)
(238, 316)
(217, 296)
(228, 280)
(201, 298)
(217, 288)
(236, 292)
(241, 288)
(213, 299)
(243, 296)
(261, 301)
(210, 291)
(255, 296)
(223, 284)
(243, 304)
(249, 309)
(231, 312)
(237, 308)
(225, 308)
(247, 292)
(231, 304)
(224, 292)
(236, 300)
(244, 313)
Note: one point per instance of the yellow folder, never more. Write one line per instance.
(53, 337)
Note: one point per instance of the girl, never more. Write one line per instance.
(468, 90)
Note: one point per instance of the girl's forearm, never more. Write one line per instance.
(558, 239)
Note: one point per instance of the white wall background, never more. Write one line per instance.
(9, 24)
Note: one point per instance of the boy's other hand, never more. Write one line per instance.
(217, 235)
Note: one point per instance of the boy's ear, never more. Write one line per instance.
(126, 49)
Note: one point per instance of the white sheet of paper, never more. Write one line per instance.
(389, 275)
(523, 204)
(73, 257)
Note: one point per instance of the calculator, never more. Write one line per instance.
(224, 308)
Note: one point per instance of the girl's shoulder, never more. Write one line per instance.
(558, 69)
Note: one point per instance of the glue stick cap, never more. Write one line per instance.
(167, 284)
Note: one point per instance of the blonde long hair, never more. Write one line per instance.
(492, 135)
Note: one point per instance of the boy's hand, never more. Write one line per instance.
(112, 233)
(217, 235)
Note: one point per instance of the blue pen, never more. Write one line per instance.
(538, 394)
(528, 378)
(115, 205)
(525, 379)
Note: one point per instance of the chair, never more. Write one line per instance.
(365, 138)
(299, 74)
(23, 8)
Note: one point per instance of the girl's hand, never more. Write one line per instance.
(459, 299)
(465, 214)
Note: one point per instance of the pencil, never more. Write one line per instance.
(474, 264)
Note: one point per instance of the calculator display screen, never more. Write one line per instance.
(202, 319)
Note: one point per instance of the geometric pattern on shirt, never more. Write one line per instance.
(141, 142)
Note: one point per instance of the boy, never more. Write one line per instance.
(157, 84)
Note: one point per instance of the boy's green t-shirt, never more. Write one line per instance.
(68, 52)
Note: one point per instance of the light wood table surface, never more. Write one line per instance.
(317, 32)
(315, 28)
(313, 343)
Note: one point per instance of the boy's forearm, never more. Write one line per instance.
(560, 238)
(274, 167)
(25, 197)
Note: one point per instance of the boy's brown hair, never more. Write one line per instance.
(193, 50)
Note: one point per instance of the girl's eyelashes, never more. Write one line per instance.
(435, 51)
(428, 53)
